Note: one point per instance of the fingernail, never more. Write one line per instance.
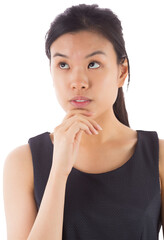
(96, 132)
(99, 127)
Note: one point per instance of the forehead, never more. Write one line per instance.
(81, 42)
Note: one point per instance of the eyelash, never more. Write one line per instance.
(88, 64)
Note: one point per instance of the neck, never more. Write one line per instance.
(112, 128)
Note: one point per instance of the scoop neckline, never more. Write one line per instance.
(111, 171)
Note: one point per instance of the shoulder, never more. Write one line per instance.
(161, 173)
(161, 161)
(161, 157)
(19, 162)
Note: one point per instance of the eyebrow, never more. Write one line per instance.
(89, 55)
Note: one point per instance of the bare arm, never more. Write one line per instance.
(49, 221)
(23, 221)
(19, 203)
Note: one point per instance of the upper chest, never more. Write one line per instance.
(106, 158)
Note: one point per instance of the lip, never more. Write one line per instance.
(80, 104)
(80, 98)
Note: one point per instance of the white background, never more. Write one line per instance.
(28, 104)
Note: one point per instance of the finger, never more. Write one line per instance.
(82, 111)
(67, 123)
(74, 129)
(93, 126)
(92, 121)
(73, 112)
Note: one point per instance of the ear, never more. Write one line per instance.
(123, 72)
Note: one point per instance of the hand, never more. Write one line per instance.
(67, 138)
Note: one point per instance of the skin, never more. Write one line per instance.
(101, 85)
(97, 77)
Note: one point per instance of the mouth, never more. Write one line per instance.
(80, 103)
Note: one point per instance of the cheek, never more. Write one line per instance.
(105, 80)
(58, 81)
(107, 88)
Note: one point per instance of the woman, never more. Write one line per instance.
(93, 177)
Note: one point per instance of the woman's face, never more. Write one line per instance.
(96, 77)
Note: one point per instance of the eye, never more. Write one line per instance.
(94, 65)
(63, 65)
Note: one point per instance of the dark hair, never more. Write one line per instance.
(102, 20)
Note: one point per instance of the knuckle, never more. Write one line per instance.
(57, 127)
(77, 120)
(94, 122)
(76, 116)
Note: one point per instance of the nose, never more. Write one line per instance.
(79, 80)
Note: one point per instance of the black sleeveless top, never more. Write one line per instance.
(122, 204)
